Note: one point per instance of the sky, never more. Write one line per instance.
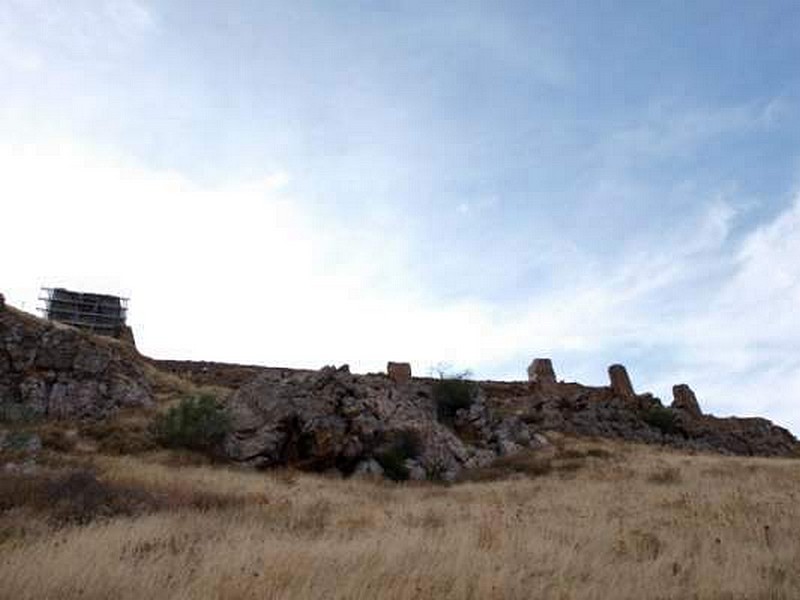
(471, 184)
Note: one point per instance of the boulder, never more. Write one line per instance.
(330, 417)
(685, 400)
(399, 372)
(416, 472)
(541, 371)
(620, 382)
(368, 468)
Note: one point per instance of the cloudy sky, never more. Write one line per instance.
(298, 183)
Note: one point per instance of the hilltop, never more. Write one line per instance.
(334, 419)
(536, 488)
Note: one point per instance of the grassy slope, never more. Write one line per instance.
(622, 521)
(596, 520)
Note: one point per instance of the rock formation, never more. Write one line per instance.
(601, 412)
(620, 382)
(541, 371)
(56, 371)
(399, 372)
(331, 418)
(358, 423)
(565, 407)
(685, 400)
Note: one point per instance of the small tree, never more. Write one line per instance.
(662, 418)
(405, 445)
(452, 393)
(197, 423)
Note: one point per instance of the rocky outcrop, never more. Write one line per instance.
(601, 412)
(505, 417)
(365, 424)
(49, 370)
(333, 419)
(683, 398)
(742, 436)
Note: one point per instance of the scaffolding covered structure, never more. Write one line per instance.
(98, 313)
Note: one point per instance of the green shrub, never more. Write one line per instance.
(662, 419)
(394, 464)
(405, 445)
(197, 423)
(451, 394)
(58, 440)
(14, 412)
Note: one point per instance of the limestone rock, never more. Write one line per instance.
(620, 382)
(50, 370)
(685, 400)
(34, 395)
(332, 418)
(368, 468)
(602, 412)
(399, 372)
(91, 360)
(541, 371)
(416, 472)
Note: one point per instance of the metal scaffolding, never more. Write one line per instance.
(99, 313)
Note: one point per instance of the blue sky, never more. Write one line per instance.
(461, 182)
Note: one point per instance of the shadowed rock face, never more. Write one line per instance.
(55, 371)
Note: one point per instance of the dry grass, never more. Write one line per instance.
(621, 522)
(169, 388)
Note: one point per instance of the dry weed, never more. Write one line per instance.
(723, 528)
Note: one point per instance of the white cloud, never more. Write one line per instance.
(750, 332)
(249, 273)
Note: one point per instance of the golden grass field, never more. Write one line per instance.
(591, 520)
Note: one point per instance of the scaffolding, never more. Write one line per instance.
(98, 313)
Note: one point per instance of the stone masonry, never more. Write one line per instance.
(683, 398)
(620, 382)
(399, 372)
(541, 371)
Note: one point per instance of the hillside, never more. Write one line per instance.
(541, 488)
(334, 419)
(586, 520)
